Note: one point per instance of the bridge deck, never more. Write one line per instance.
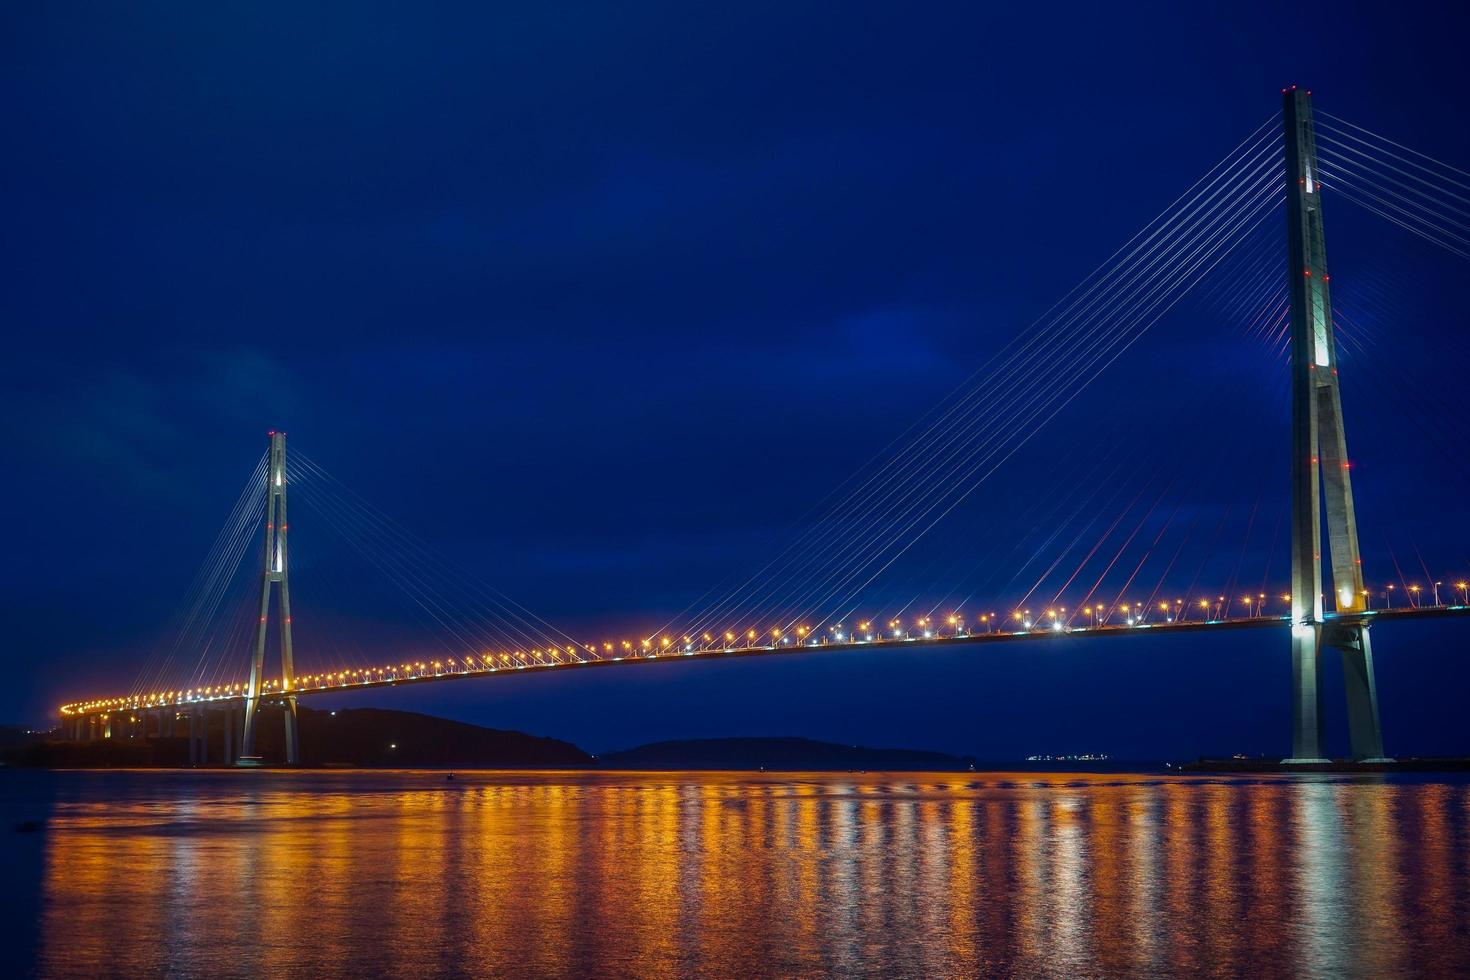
(450, 669)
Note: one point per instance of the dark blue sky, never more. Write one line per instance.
(599, 300)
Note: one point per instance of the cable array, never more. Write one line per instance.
(466, 615)
(194, 639)
(931, 468)
(1420, 194)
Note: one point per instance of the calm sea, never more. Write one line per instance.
(313, 874)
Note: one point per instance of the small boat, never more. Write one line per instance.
(249, 762)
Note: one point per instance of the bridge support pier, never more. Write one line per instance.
(293, 752)
(1365, 734)
(1308, 746)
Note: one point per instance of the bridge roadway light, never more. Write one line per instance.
(1463, 586)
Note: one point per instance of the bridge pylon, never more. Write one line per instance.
(275, 570)
(1320, 467)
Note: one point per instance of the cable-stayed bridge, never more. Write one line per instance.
(1113, 558)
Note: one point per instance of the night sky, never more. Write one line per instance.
(601, 300)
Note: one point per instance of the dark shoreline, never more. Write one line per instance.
(387, 740)
(1344, 766)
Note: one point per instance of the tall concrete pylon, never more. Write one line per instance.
(1320, 465)
(275, 569)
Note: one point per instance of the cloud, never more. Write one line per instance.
(133, 426)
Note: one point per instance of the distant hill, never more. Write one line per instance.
(779, 754)
(363, 737)
(376, 737)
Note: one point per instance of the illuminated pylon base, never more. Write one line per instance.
(1365, 735)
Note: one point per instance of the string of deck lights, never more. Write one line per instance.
(1093, 618)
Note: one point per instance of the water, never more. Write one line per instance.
(580, 875)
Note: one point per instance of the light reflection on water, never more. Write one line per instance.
(572, 874)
